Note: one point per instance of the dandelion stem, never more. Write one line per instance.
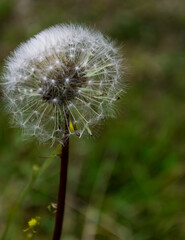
(64, 156)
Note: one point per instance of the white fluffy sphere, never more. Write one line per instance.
(66, 69)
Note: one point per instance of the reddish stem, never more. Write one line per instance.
(64, 156)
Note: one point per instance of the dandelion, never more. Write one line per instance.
(64, 71)
(63, 82)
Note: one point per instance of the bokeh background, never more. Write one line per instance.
(129, 183)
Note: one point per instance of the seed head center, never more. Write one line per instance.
(60, 86)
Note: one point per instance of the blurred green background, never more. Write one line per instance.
(129, 183)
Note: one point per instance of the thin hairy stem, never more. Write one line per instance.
(64, 156)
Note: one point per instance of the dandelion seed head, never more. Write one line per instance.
(65, 68)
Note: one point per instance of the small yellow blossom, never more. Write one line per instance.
(32, 223)
(35, 167)
(29, 235)
(71, 127)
